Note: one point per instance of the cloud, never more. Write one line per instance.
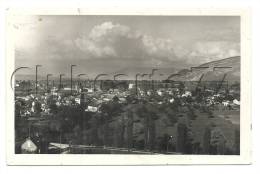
(103, 40)
(159, 47)
(206, 51)
(119, 41)
(109, 29)
(110, 40)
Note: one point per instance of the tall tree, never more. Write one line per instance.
(206, 139)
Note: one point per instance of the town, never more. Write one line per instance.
(134, 116)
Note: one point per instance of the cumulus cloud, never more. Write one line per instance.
(159, 47)
(120, 41)
(113, 40)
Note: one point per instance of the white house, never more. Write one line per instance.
(130, 86)
(91, 109)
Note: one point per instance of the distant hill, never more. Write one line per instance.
(163, 73)
(233, 74)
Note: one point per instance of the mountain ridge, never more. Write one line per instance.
(229, 66)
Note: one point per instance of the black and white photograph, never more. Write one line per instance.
(126, 85)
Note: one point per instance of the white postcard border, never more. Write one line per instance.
(91, 159)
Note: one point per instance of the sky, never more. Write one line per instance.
(111, 44)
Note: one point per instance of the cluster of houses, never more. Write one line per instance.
(96, 98)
